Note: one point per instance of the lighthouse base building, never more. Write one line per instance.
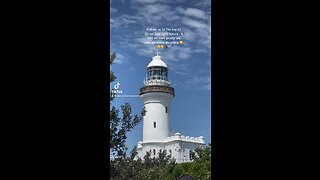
(157, 95)
(177, 146)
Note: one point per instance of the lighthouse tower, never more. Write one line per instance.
(157, 95)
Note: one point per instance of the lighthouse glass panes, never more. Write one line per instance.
(157, 73)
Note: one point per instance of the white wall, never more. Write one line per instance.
(180, 149)
(155, 104)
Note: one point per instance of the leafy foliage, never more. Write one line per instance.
(162, 167)
(112, 76)
(120, 126)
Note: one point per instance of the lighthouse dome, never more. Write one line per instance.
(157, 61)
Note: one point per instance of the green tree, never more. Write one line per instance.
(201, 167)
(119, 126)
(162, 167)
(133, 152)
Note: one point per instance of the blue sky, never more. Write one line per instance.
(189, 64)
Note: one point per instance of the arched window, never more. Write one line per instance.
(154, 152)
(154, 124)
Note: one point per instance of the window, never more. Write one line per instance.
(166, 109)
(154, 152)
(170, 152)
(164, 73)
(154, 124)
(149, 74)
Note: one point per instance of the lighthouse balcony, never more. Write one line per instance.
(157, 88)
(156, 81)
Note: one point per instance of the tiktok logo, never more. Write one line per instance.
(117, 86)
(115, 89)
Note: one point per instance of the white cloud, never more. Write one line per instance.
(193, 23)
(183, 52)
(125, 21)
(114, 23)
(200, 82)
(113, 10)
(193, 12)
(208, 62)
(146, 1)
(146, 51)
(176, 53)
(179, 68)
(205, 37)
(154, 13)
(199, 33)
(200, 51)
(203, 3)
(206, 87)
(188, 34)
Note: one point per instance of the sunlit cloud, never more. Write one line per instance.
(195, 22)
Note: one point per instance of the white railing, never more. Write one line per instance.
(177, 136)
(156, 82)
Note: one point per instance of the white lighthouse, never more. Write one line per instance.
(157, 95)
